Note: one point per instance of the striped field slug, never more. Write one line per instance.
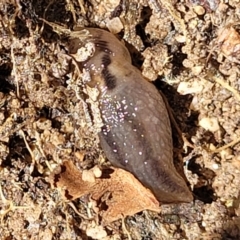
(137, 134)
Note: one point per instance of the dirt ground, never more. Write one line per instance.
(189, 49)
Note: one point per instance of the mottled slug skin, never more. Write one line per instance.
(137, 134)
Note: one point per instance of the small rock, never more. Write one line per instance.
(215, 166)
(88, 176)
(96, 232)
(196, 70)
(210, 124)
(114, 25)
(199, 10)
(180, 38)
(97, 172)
(189, 88)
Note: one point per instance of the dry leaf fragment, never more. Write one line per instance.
(120, 191)
(69, 180)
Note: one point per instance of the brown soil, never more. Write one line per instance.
(190, 49)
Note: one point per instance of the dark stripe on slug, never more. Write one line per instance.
(106, 60)
(103, 45)
(109, 79)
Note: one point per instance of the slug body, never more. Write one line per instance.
(137, 134)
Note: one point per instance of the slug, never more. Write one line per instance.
(136, 135)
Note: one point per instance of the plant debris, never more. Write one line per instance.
(117, 189)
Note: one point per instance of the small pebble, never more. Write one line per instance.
(180, 39)
(210, 124)
(215, 166)
(97, 172)
(96, 232)
(189, 88)
(88, 176)
(199, 10)
(115, 25)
